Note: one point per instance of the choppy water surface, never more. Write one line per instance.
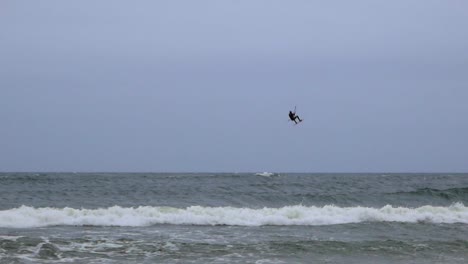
(233, 218)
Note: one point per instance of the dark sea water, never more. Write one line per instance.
(233, 218)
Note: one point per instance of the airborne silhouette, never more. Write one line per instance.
(294, 117)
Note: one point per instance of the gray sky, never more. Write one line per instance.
(207, 85)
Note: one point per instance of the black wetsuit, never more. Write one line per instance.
(293, 117)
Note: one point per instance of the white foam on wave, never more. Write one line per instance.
(265, 174)
(24, 216)
(11, 238)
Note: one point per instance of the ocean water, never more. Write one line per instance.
(233, 218)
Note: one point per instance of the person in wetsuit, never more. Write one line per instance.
(294, 117)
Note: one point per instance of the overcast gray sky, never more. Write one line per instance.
(206, 86)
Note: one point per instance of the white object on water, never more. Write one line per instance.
(265, 174)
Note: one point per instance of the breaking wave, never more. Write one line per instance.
(26, 217)
(265, 174)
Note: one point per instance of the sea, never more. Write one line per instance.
(263, 217)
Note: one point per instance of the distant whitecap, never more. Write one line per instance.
(265, 174)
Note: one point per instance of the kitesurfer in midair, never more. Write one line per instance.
(293, 116)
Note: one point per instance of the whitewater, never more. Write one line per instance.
(27, 217)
